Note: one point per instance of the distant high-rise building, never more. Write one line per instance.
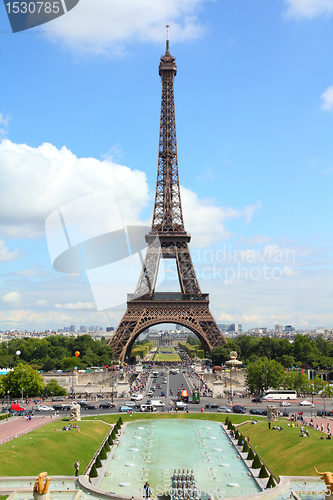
(278, 328)
(231, 327)
(72, 328)
(83, 328)
(289, 328)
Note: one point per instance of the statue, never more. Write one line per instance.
(328, 478)
(40, 488)
(75, 415)
(272, 414)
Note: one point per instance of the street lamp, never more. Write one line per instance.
(7, 404)
(232, 362)
(22, 398)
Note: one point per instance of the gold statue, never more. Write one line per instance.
(40, 487)
(328, 478)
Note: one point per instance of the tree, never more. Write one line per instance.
(52, 388)
(262, 374)
(23, 377)
(287, 361)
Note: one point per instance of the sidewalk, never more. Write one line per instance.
(18, 426)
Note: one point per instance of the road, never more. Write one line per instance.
(179, 381)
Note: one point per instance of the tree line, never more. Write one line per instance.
(304, 352)
(277, 363)
(56, 352)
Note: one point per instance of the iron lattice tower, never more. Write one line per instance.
(168, 240)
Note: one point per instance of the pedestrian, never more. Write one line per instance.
(147, 490)
(77, 467)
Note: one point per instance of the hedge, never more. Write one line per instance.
(93, 472)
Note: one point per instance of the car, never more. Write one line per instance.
(285, 403)
(254, 411)
(147, 408)
(130, 403)
(212, 405)
(43, 408)
(125, 408)
(136, 397)
(238, 409)
(148, 402)
(163, 393)
(305, 403)
(107, 405)
(57, 398)
(322, 413)
(150, 394)
(89, 406)
(256, 400)
(224, 409)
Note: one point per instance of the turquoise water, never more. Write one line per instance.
(151, 450)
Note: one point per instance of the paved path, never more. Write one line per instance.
(17, 426)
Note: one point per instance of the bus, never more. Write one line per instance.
(279, 395)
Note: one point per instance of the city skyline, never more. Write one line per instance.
(254, 112)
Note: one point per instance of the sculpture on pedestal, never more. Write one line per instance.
(75, 413)
(328, 478)
(41, 490)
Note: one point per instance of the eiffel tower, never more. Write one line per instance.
(168, 240)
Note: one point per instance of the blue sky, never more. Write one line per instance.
(79, 123)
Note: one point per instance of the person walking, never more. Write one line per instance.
(147, 490)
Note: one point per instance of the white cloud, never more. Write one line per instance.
(12, 298)
(308, 8)
(41, 303)
(327, 98)
(103, 26)
(205, 221)
(50, 178)
(78, 306)
(7, 255)
(4, 121)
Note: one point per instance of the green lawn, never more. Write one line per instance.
(172, 356)
(48, 450)
(56, 452)
(285, 452)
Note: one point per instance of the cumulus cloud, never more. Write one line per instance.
(78, 306)
(7, 255)
(327, 98)
(41, 303)
(206, 221)
(308, 8)
(49, 178)
(12, 298)
(102, 26)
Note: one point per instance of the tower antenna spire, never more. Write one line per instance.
(167, 40)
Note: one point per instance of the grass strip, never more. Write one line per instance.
(286, 452)
(46, 449)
